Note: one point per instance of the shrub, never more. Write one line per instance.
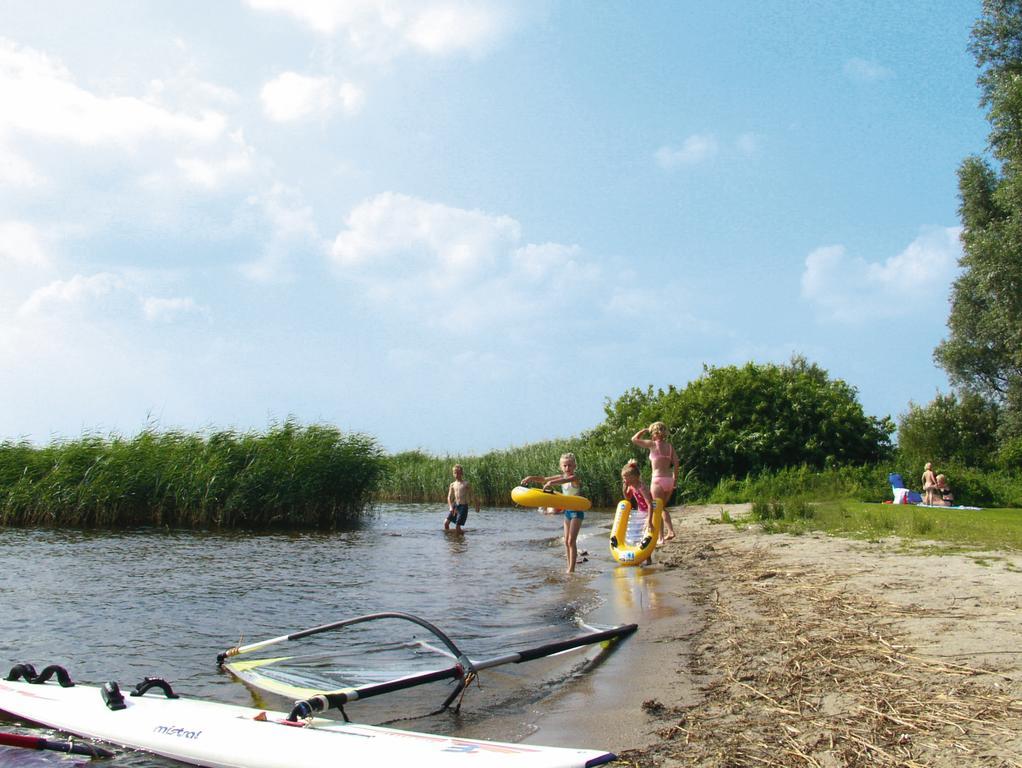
(734, 422)
(961, 430)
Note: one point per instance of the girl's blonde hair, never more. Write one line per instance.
(658, 426)
(630, 468)
(565, 456)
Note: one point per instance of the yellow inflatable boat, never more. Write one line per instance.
(537, 497)
(631, 543)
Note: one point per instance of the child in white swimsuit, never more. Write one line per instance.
(572, 486)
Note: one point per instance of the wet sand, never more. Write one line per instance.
(603, 708)
(783, 650)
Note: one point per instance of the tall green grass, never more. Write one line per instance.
(972, 487)
(864, 482)
(848, 501)
(993, 528)
(291, 476)
(415, 476)
(294, 477)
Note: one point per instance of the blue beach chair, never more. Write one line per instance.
(903, 495)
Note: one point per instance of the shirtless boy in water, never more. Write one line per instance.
(459, 496)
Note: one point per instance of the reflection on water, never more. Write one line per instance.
(123, 605)
(636, 588)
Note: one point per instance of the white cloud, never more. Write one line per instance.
(44, 107)
(443, 28)
(166, 310)
(81, 291)
(326, 17)
(540, 261)
(42, 100)
(629, 302)
(393, 230)
(452, 266)
(25, 263)
(33, 286)
(21, 245)
(866, 71)
(83, 356)
(352, 98)
(289, 216)
(697, 148)
(292, 229)
(291, 97)
(748, 144)
(212, 169)
(387, 28)
(16, 171)
(853, 290)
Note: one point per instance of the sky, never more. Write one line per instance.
(466, 226)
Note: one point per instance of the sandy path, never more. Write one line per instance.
(814, 650)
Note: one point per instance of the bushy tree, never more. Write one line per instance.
(950, 429)
(983, 351)
(734, 421)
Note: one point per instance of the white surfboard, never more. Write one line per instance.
(230, 736)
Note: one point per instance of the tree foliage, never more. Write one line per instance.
(983, 351)
(735, 421)
(950, 429)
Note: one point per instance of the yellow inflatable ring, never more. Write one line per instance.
(634, 547)
(537, 497)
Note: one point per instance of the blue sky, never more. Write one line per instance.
(461, 226)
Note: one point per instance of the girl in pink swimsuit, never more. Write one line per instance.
(634, 489)
(664, 460)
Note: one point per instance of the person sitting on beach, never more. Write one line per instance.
(459, 496)
(930, 494)
(942, 493)
(571, 485)
(664, 460)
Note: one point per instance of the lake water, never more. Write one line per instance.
(125, 605)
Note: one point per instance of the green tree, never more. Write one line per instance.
(735, 421)
(950, 429)
(983, 351)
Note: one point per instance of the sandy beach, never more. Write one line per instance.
(812, 650)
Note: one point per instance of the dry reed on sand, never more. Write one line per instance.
(798, 671)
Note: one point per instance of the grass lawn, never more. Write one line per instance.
(960, 528)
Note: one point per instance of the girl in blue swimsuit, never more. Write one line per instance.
(572, 486)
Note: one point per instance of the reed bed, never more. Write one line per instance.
(290, 477)
(295, 477)
(866, 482)
(416, 476)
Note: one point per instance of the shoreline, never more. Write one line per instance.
(760, 649)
